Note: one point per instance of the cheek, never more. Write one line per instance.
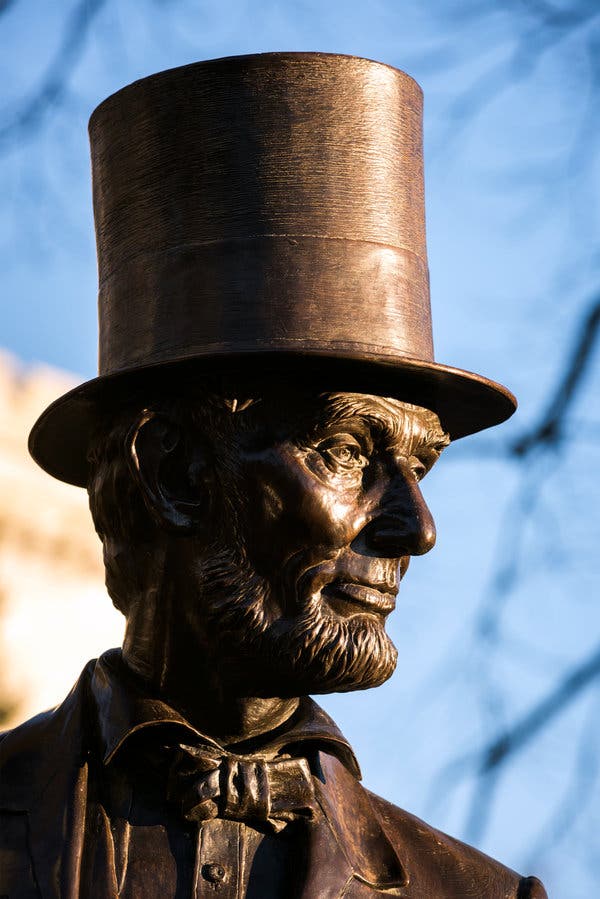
(337, 519)
(290, 509)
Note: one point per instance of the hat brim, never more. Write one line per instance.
(464, 402)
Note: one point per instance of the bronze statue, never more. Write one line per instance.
(267, 405)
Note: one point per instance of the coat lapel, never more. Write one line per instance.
(57, 830)
(349, 853)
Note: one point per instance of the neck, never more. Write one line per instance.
(178, 664)
(207, 704)
(242, 718)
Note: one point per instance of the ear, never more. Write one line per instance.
(172, 476)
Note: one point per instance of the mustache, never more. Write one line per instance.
(311, 651)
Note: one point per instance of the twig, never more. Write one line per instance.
(579, 792)
(491, 758)
(549, 430)
(29, 117)
(515, 738)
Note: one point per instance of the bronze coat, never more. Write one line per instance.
(359, 846)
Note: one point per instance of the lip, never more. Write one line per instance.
(350, 597)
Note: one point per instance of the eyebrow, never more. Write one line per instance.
(387, 422)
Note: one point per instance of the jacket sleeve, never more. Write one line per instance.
(531, 888)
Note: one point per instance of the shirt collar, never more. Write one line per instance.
(123, 708)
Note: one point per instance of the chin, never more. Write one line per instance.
(322, 654)
(315, 651)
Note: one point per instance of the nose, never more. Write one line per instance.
(402, 524)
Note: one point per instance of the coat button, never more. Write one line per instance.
(213, 873)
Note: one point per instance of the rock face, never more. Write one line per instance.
(54, 611)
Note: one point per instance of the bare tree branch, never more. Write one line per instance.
(489, 761)
(545, 435)
(530, 46)
(509, 568)
(493, 757)
(523, 731)
(550, 429)
(550, 16)
(26, 121)
(579, 792)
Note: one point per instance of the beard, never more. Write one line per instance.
(262, 653)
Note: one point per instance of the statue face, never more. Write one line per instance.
(331, 512)
(336, 508)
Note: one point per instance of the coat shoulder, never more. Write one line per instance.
(446, 867)
(31, 753)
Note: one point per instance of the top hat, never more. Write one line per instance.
(263, 215)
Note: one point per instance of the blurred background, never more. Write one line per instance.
(490, 728)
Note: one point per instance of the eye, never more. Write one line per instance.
(343, 452)
(419, 469)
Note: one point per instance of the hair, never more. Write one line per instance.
(119, 512)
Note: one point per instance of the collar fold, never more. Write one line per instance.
(124, 708)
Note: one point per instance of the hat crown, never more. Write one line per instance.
(267, 201)
(263, 217)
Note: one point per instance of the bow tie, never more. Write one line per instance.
(207, 783)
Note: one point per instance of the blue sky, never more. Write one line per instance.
(512, 205)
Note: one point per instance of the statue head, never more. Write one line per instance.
(273, 530)
(268, 399)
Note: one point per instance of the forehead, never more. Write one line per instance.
(288, 413)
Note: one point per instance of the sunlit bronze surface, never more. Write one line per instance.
(258, 511)
(264, 213)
